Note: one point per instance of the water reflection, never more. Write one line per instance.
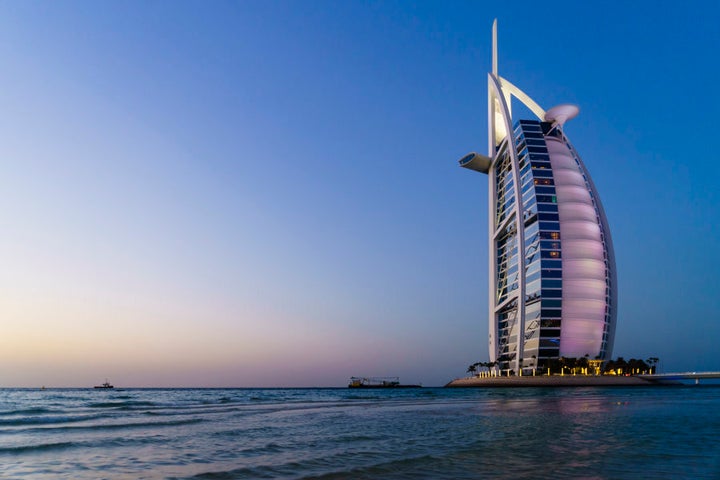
(585, 433)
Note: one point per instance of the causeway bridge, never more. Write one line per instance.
(681, 376)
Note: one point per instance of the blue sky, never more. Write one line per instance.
(267, 193)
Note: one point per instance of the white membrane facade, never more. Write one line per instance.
(553, 288)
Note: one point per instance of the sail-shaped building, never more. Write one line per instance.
(552, 278)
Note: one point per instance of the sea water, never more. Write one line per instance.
(534, 433)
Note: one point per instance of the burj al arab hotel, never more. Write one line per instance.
(552, 278)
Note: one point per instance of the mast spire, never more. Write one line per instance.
(494, 48)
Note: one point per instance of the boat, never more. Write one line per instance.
(104, 385)
(378, 382)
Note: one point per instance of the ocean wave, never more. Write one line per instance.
(423, 466)
(27, 411)
(321, 467)
(234, 474)
(102, 443)
(123, 405)
(114, 426)
(362, 397)
(36, 448)
(51, 419)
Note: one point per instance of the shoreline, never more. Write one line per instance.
(558, 381)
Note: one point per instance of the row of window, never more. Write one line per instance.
(534, 237)
(546, 199)
(504, 186)
(532, 138)
(528, 125)
(508, 230)
(507, 274)
(544, 338)
(546, 282)
(550, 226)
(508, 238)
(530, 198)
(507, 194)
(535, 159)
(507, 264)
(533, 233)
(506, 255)
(526, 182)
(543, 254)
(551, 302)
(546, 265)
(549, 352)
(503, 290)
(550, 244)
(503, 209)
(547, 208)
(547, 273)
(532, 272)
(505, 285)
(535, 295)
(544, 190)
(538, 164)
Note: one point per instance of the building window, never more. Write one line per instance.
(544, 181)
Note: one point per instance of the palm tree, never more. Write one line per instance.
(563, 362)
(471, 369)
(582, 364)
(621, 365)
(637, 366)
(572, 364)
(554, 365)
(609, 366)
(653, 361)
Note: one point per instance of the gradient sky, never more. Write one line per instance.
(267, 193)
